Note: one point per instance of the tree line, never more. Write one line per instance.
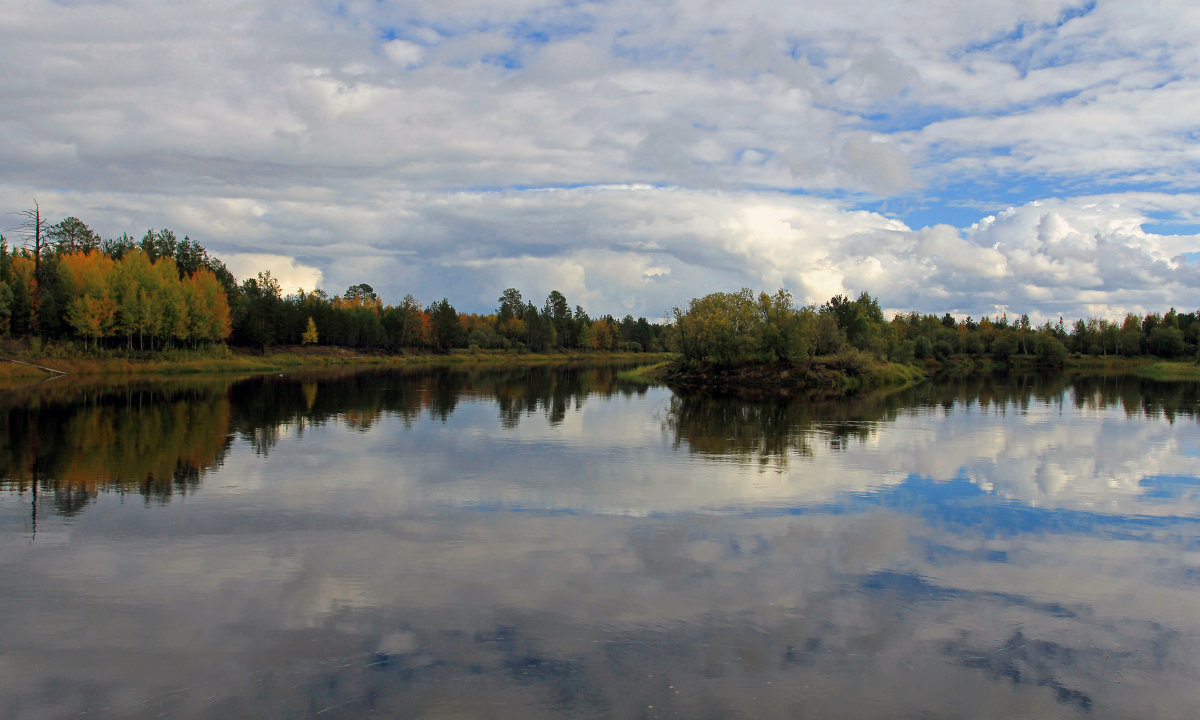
(740, 326)
(358, 318)
(160, 292)
(65, 282)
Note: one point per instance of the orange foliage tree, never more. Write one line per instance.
(91, 310)
(111, 299)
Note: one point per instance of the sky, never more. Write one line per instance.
(1031, 156)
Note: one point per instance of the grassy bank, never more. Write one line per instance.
(1085, 364)
(19, 364)
(831, 375)
(1170, 370)
(647, 374)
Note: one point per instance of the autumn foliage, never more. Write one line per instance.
(132, 300)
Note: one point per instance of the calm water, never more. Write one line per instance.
(560, 544)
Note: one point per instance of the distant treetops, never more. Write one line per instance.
(66, 282)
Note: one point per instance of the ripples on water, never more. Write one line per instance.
(550, 544)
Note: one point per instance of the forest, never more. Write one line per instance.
(124, 295)
(66, 283)
(725, 328)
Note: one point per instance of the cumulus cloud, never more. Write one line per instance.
(291, 275)
(641, 249)
(610, 247)
(453, 148)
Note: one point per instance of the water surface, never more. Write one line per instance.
(560, 544)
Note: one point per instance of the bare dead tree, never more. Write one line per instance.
(35, 231)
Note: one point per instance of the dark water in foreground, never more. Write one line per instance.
(559, 544)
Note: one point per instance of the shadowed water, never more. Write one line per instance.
(561, 544)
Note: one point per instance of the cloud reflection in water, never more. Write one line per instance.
(981, 550)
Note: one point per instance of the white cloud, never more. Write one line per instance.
(291, 275)
(370, 141)
(642, 249)
(403, 53)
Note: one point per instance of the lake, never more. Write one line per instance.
(562, 543)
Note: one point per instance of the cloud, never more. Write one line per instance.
(290, 274)
(409, 146)
(841, 565)
(1079, 257)
(403, 53)
(642, 249)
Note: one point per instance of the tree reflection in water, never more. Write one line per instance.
(906, 565)
(158, 439)
(768, 432)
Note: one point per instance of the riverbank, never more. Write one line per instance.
(18, 365)
(846, 373)
(1151, 368)
(824, 376)
(830, 376)
(1170, 370)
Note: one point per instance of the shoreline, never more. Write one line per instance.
(19, 367)
(829, 376)
(822, 377)
(843, 375)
